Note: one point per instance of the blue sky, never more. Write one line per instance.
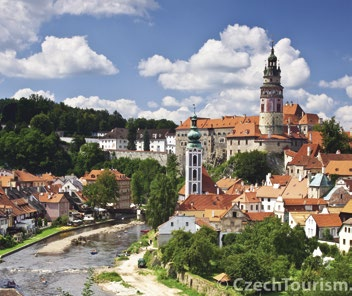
(155, 59)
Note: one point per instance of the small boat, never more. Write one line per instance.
(145, 230)
(93, 252)
(43, 280)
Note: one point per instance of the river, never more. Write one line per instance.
(66, 271)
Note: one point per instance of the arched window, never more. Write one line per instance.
(194, 174)
(194, 188)
(194, 159)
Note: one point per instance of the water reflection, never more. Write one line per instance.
(67, 271)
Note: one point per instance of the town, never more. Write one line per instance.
(312, 190)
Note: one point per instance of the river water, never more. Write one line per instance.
(67, 271)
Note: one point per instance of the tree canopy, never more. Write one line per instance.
(105, 190)
(333, 136)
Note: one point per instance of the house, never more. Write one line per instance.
(346, 211)
(114, 140)
(296, 188)
(305, 161)
(338, 160)
(248, 202)
(226, 183)
(318, 185)
(177, 222)
(298, 218)
(258, 216)
(157, 140)
(5, 212)
(268, 196)
(323, 224)
(345, 235)
(223, 214)
(123, 182)
(56, 204)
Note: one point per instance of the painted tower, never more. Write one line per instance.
(193, 160)
(271, 98)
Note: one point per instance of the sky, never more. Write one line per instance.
(158, 58)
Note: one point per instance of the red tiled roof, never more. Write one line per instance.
(224, 122)
(93, 175)
(304, 201)
(245, 130)
(24, 176)
(327, 220)
(302, 157)
(310, 119)
(325, 158)
(201, 202)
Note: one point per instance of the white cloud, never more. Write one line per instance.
(343, 115)
(236, 60)
(152, 104)
(60, 57)
(127, 108)
(311, 103)
(169, 101)
(26, 92)
(177, 116)
(344, 82)
(105, 7)
(20, 21)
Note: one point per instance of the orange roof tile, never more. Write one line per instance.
(270, 191)
(304, 154)
(24, 176)
(327, 220)
(245, 130)
(93, 175)
(325, 158)
(50, 197)
(348, 207)
(226, 183)
(304, 201)
(315, 137)
(339, 167)
(201, 202)
(310, 119)
(296, 189)
(247, 197)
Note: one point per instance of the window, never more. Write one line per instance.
(186, 223)
(239, 142)
(246, 142)
(172, 224)
(194, 174)
(251, 207)
(234, 214)
(268, 208)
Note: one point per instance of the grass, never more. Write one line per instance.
(43, 234)
(107, 277)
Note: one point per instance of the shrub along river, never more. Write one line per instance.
(67, 271)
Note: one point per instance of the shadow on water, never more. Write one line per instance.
(67, 271)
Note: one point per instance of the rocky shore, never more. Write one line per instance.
(62, 245)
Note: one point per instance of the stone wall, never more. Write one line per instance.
(204, 286)
(161, 157)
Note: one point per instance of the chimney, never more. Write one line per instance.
(309, 150)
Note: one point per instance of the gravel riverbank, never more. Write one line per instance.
(61, 246)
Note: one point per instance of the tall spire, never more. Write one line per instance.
(194, 135)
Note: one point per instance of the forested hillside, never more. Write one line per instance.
(29, 139)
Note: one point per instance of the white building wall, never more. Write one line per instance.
(345, 235)
(311, 227)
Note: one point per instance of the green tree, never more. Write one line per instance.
(146, 140)
(42, 123)
(137, 188)
(89, 155)
(250, 166)
(162, 201)
(105, 190)
(334, 138)
(131, 135)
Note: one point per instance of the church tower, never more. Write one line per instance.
(271, 98)
(193, 160)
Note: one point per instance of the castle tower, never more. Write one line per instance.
(271, 98)
(193, 160)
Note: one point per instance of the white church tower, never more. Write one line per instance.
(193, 160)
